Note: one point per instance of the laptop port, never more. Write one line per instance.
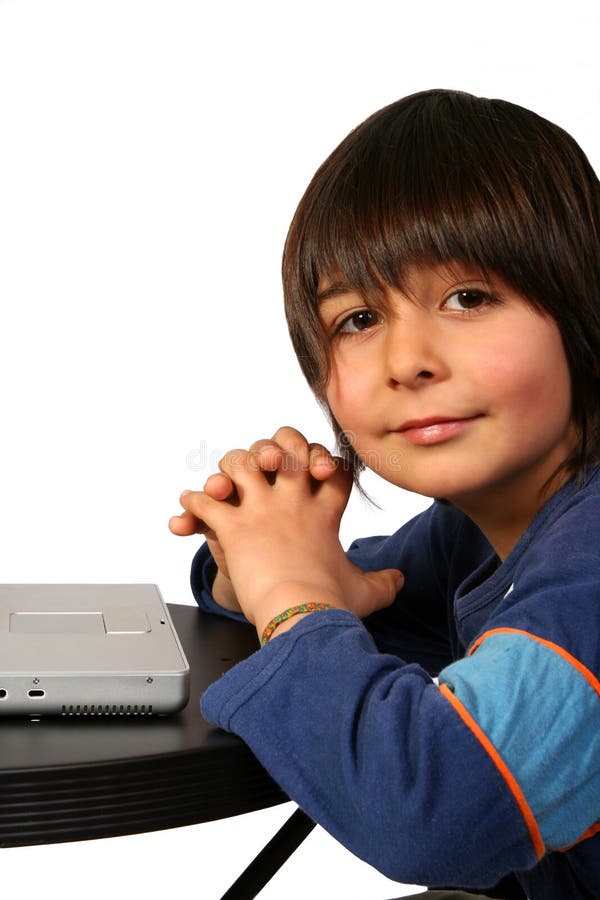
(36, 693)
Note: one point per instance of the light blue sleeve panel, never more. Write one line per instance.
(541, 711)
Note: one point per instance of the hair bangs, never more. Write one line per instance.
(420, 188)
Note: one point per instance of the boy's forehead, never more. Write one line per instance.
(328, 288)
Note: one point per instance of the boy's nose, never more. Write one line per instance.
(414, 353)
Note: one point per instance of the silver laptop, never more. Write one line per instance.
(89, 650)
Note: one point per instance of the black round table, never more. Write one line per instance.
(71, 779)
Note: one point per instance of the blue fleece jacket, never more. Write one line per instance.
(494, 769)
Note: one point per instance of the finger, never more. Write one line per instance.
(206, 511)
(293, 442)
(321, 463)
(267, 454)
(384, 585)
(219, 486)
(241, 468)
(185, 524)
(334, 492)
(270, 456)
(294, 467)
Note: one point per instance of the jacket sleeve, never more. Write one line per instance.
(374, 752)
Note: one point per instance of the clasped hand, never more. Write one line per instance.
(271, 518)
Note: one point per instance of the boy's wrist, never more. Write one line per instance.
(287, 625)
(224, 594)
(288, 596)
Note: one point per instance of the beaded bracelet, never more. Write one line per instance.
(288, 614)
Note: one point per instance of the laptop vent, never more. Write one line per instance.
(107, 710)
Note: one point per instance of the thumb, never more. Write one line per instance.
(384, 584)
(336, 490)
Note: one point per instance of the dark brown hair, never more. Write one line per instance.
(440, 177)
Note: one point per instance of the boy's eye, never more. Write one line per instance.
(463, 301)
(357, 321)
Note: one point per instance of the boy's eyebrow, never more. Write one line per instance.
(335, 289)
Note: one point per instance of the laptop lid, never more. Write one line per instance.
(89, 649)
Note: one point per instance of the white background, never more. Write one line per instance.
(151, 155)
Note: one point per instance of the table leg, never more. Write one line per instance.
(271, 858)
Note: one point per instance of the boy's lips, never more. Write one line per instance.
(435, 429)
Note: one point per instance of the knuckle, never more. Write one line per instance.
(264, 454)
(295, 447)
(234, 459)
(216, 480)
(318, 451)
(290, 437)
(253, 462)
(261, 444)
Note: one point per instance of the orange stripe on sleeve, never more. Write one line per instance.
(590, 832)
(583, 670)
(512, 784)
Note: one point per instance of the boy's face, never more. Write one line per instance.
(459, 389)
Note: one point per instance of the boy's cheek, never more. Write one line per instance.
(348, 396)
